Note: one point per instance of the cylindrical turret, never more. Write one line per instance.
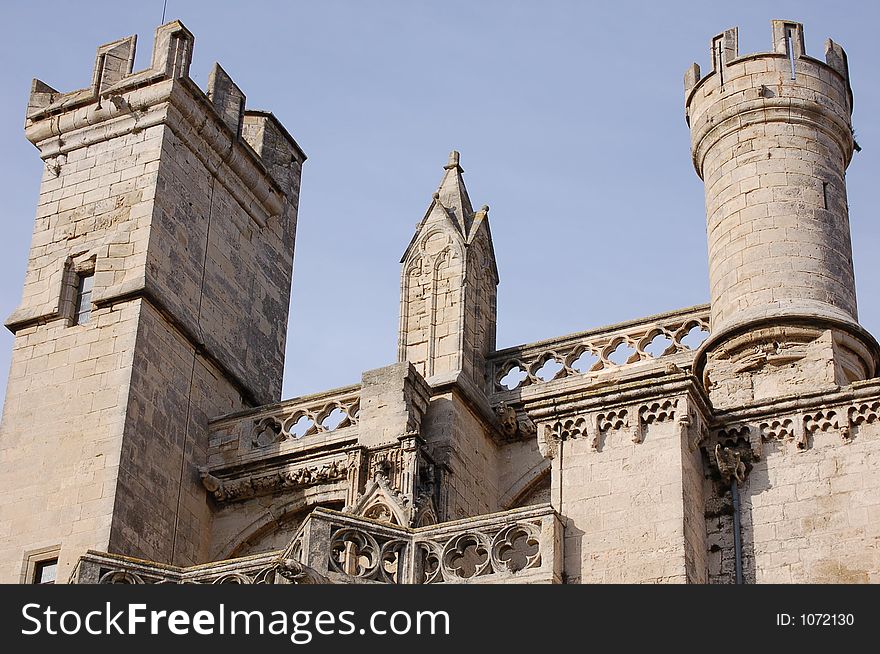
(771, 139)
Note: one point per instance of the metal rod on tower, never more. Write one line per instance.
(164, 7)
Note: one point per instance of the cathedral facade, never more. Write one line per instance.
(144, 437)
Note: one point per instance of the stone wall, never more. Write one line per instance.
(190, 235)
(222, 273)
(268, 523)
(460, 440)
(161, 511)
(627, 496)
(524, 474)
(809, 500)
(60, 442)
(814, 516)
(59, 485)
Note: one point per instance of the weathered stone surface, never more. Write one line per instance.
(771, 138)
(154, 432)
(180, 220)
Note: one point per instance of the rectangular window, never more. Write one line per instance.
(45, 571)
(83, 311)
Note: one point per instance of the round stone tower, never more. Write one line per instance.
(771, 139)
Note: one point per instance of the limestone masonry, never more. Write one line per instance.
(144, 438)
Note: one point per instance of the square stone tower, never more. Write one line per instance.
(156, 297)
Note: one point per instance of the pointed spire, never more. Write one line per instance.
(453, 195)
(450, 203)
(479, 217)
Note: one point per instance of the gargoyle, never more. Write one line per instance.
(297, 573)
(512, 424)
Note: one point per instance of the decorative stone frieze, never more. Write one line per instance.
(288, 478)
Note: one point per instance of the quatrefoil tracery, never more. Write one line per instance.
(653, 342)
(305, 422)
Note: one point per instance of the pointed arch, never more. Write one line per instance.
(529, 482)
(379, 502)
(269, 521)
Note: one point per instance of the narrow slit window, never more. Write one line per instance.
(83, 312)
(789, 44)
(825, 195)
(718, 53)
(45, 572)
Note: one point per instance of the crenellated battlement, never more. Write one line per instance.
(114, 72)
(768, 87)
(788, 45)
(121, 100)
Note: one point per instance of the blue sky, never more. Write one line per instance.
(569, 117)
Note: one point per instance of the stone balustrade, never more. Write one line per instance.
(668, 338)
(103, 568)
(521, 545)
(291, 426)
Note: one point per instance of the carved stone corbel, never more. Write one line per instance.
(822, 421)
(684, 423)
(700, 436)
(756, 442)
(506, 415)
(632, 423)
(661, 410)
(636, 431)
(209, 481)
(525, 425)
(593, 433)
(862, 413)
(744, 433)
(548, 440)
(692, 428)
